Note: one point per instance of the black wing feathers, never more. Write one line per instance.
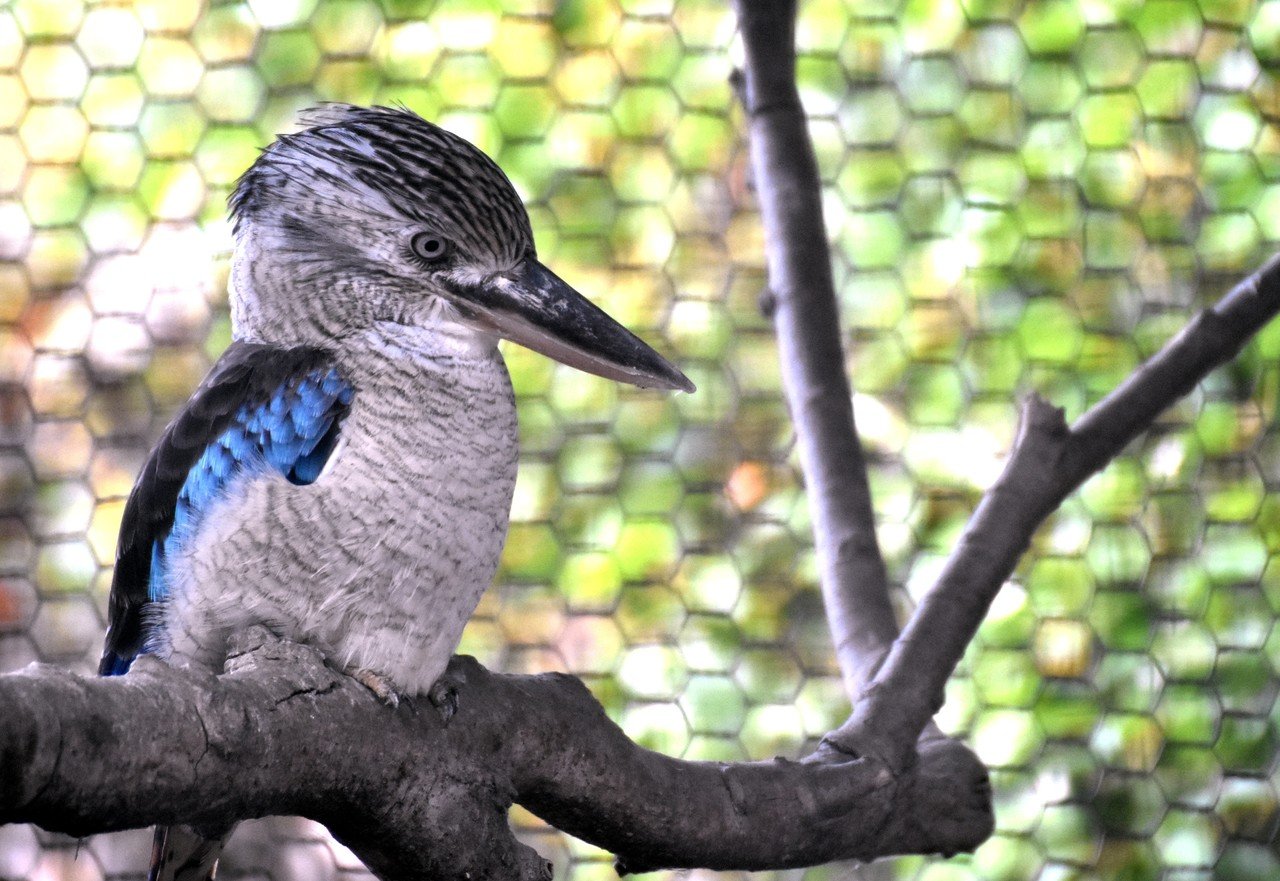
(246, 374)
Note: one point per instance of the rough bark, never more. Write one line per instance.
(414, 797)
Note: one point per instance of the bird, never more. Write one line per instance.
(343, 475)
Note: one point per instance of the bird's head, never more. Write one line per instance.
(374, 215)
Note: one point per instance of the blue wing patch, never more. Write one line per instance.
(261, 410)
(293, 434)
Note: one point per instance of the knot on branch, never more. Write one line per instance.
(1031, 483)
(951, 799)
(783, 97)
(767, 302)
(1041, 417)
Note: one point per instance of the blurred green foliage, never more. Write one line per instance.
(1020, 196)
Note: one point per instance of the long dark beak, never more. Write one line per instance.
(532, 306)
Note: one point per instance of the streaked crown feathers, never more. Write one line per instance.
(386, 162)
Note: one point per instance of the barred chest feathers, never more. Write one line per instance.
(380, 562)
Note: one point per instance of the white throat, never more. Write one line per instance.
(437, 332)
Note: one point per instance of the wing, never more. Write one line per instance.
(261, 407)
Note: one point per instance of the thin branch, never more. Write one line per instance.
(807, 322)
(1048, 462)
(281, 733)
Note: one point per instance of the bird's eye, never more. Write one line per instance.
(429, 247)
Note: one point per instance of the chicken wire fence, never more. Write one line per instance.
(1020, 196)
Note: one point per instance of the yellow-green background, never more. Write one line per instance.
(1020, 196)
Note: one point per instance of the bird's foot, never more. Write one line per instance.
(444, 695)
(380, 685)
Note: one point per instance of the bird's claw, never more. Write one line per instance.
(444, 697)
(379, 685)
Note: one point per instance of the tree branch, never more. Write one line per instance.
(1048, 462)
(281, 733)
(807, 322)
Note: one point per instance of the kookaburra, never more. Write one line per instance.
(344, 473)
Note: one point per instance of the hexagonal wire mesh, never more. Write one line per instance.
(1020, 196)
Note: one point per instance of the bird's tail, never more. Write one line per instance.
(180, 853)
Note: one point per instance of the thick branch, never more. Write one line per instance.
(1048, 462)
(854, 583)
(281, 733)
